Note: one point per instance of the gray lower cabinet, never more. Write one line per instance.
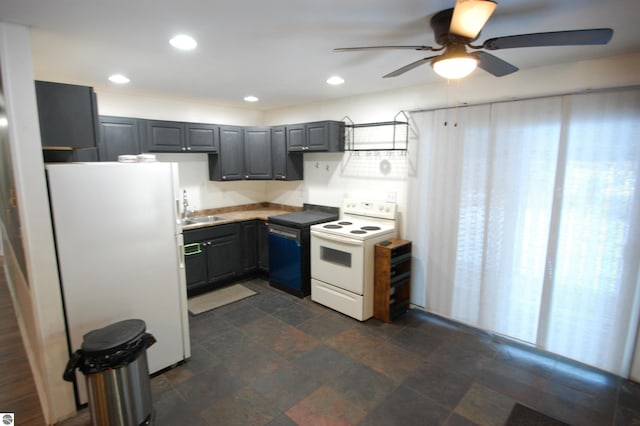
(212, 256)
(319, 136)
(263, 246)
(219, 254)
(249, 256)
(118, 136)
(255, 246)
(285, 165)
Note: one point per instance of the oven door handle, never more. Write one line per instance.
(336, 238)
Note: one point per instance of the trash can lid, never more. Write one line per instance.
(113, 337)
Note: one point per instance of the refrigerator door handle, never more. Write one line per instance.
(181, 254)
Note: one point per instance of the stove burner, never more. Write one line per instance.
(331, 226)
(345, 223)
(358, 231)
(370, 228)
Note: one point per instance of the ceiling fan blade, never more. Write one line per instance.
(556, 38)
(494, 65)
(469, 16)
(352, 49)
(409, 67)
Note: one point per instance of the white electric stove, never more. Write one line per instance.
(342, 256)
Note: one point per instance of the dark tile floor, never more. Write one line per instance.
(274, 359)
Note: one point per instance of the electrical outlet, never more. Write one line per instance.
(392, 197)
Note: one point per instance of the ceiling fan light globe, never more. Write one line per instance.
(455, 68)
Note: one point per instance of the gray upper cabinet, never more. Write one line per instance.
(67, 114)
(244, 153)
(257, 153)
(285, 165)
(176, 136)
(228, 164)
(165, 136)
(296, 140)
(320, 136)
(118, 136)
(201, 137)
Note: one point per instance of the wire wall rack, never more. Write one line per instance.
(378, 136)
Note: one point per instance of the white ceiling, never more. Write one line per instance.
(281, 50)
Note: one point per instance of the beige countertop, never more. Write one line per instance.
(241, 213)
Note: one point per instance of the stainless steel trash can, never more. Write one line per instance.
(114, 362)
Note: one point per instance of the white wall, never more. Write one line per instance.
(329, 187)
(37, 295)
(112, 102)
(481, 87)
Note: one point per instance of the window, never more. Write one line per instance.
(533, 213)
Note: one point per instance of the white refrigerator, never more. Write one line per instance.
(119, 248)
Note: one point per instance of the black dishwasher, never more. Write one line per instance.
(289, 247)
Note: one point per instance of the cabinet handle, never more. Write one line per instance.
(193, 248)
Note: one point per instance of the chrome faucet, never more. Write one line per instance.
(185, 202)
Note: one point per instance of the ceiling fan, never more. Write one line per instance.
(455, 29)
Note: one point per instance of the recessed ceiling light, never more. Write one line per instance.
(335, 80)
(183, 42)
(251, 98)
(118, 79)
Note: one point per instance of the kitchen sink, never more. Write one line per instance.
(202, 219)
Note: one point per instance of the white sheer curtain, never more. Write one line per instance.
(533, 214)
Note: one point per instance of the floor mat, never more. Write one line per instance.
(218, 298)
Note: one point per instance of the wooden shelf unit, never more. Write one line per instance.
(392, 285)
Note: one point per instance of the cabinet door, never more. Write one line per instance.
(257, 153)
(223, 257)
(318, 136)
(165, 136)
(263, 246)
(325, 136)
(195, 263)
(296, 137)
(278, 153)
(286, 165)
(231, 153)
(118, 136)
(202, 137)
(249, 256)
(67, 114)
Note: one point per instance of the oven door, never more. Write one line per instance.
(338, 261)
